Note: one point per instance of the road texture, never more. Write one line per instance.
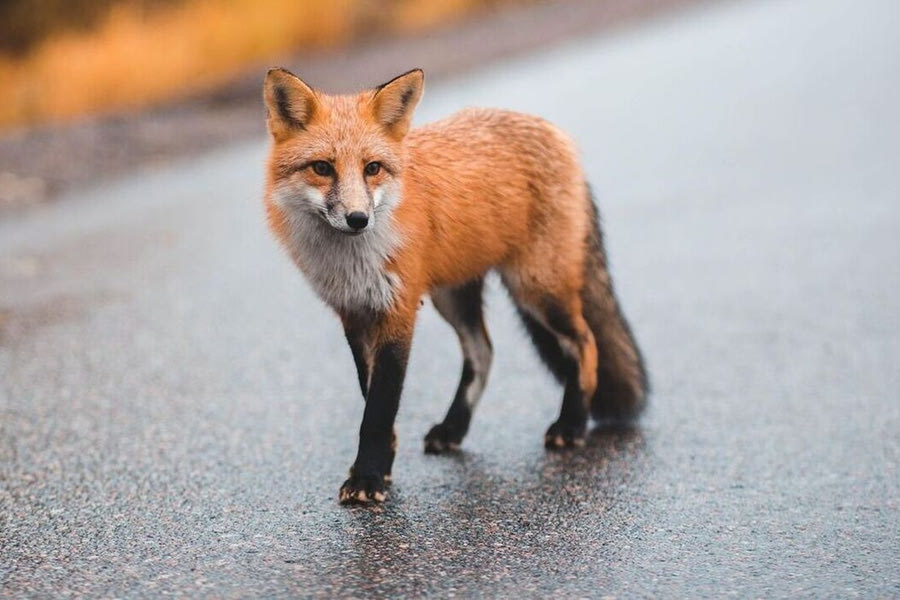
(177, 411)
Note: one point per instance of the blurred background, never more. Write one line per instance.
(63, 58)
(126, 83)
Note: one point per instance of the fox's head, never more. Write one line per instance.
(338, 158)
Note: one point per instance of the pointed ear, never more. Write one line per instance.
(291, 104)
(395, 101)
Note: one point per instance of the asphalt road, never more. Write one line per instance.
(177, 411)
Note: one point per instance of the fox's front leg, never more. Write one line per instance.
(384, 360)
(358, 336)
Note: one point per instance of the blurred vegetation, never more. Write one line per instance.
(61, 58)
(25, 23)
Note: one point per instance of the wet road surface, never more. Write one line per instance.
(177, 411)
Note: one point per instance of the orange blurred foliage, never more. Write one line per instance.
(134, 58)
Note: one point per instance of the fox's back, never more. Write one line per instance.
(475, 144)
(489, 183)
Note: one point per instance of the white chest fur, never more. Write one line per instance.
(347, 272)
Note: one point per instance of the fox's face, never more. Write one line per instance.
(338, 158)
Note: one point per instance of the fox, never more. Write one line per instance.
(377, 215)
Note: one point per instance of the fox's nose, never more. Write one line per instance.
(357, 220)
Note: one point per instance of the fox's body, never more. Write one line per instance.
(482, 190)
(474, 189)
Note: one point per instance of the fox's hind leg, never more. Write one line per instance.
(461, 306)
(566, 345)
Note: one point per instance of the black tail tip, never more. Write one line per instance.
(619, 401)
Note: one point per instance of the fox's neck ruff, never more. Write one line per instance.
(348, 272)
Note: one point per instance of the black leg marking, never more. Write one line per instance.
(376, 435)
(569, 429)
(449, 434)
(547, 347)
(559, 321)
(462, 308)
(356, 340)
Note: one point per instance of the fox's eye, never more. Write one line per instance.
(322, 168)
(373, 168)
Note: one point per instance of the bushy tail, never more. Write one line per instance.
(622, 384)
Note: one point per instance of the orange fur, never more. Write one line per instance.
(378, 215)
(482, 189)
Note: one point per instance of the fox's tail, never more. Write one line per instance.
(622, 383)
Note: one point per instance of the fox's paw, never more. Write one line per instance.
(441, 439)
(563, 435)
(364, 489)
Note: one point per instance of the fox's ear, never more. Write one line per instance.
(291, 103)
(395, 101)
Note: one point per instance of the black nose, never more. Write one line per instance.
(357, 220)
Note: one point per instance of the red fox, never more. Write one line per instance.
(376, 216)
